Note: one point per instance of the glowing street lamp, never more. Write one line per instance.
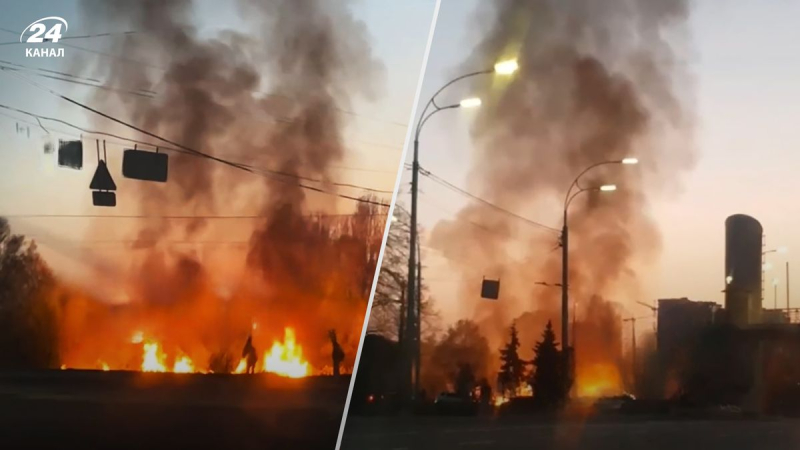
(565, 342)
(411, 345)
(506, 67)
(473, 102)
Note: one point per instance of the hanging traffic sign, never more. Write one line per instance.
(102, 181)
(490, 289)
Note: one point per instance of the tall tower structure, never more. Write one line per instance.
(743, 259)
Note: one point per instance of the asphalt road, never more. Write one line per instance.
(424, 433)
(129, 410)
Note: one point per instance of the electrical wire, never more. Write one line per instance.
(455, 188)
(243, 166)
(402, 125)
(63, 38)
(483, 228)
(130, 140)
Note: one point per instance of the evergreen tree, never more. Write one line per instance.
(547, 381)
(512, 368)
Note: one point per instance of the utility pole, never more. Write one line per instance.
(787, 288)
(632, 320)
(411, 345)
(401, 329)
(418, 336)
(564, 284)
(568, 360)
(775, 297)
(411, 284)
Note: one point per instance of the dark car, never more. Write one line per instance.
(448, 403)
(613, 404)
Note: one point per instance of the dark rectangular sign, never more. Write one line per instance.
(143, 165)
(70, 154)
(104, 198)
(490, 289)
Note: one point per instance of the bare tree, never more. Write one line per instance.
(389, 304)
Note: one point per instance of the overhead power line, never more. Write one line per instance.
(136, 141)
(428, 199)
(76, 80)
(64, 38)
(247, 167)
(162, 69)
(148, 94)
(455, 188)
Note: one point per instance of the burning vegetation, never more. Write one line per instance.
(271, 103)
(598, 81)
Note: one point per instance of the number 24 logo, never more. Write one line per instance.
(38, 29)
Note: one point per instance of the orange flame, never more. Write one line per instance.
(183, 365)
(598, 380)
(286, 359)
(153, 359)
(242, 367)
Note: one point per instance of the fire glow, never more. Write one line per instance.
(284, 359)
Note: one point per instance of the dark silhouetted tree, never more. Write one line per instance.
(465, 380)
(512, 368)
(547, 380)
(28, 314)
(462, 344)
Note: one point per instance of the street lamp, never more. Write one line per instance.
(767, 266)
(413, 325)
(473, 102)
(565, 244)
(506, 67)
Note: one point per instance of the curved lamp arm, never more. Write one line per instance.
(568, 199)
(580, 191)
(423, 118)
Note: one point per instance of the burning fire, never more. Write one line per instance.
(183, 365)
(153, 360)
(242, 367)
(598, 380)
(499, 400)
(286, 359)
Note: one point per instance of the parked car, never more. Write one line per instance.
(449, 403)
(615, 403)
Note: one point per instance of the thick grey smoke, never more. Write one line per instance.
(598, 81)
(269, 95)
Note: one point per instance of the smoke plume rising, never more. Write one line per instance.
(270, 98)
(598, 81)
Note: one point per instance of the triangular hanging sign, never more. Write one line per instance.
(102, 181)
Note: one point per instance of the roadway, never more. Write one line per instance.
(131, 410)
(423, 433)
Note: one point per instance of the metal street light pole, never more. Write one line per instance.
(775, 297)
(413, 317)
(565, 252)
(765, 266)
